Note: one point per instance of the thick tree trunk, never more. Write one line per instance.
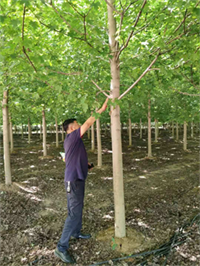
(57, 139)
(7, 167)
(149, 129)
(156, 130)
(11, 136)
(140, 128)
(173, 129)
(185, 136)
(99, 142)
(93, 138)
(130, 132)
(44, 134)
(40, 129)
(192, 130)
(29, 131)
(118, 185)
(177, 131)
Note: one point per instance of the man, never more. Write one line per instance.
(75, 176)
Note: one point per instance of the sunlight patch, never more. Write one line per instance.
(106, 178)
(107, 216)
(154, 188)
(137, 210)
(142, 224)
(142, 176)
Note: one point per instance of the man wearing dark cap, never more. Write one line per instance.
(75, 175)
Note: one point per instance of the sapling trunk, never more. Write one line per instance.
(156, 130)
(185, 136)
(44, 133)
(177, 131)
(22, 132)
(57, 137)
(173, 129)
(62, 133)
(99, 149)
(11, 136)
(7, 167)
(192, 129)
(93, 138)
(149, 129)
(40, 129)
(118, 185)
(88, 133)
(140, 128)
(130, 133)
(29, 131)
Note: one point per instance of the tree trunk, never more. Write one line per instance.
(140, 128)
(11, 136)
(149, 128)
(99, 142)
(57, 140)
(93, 138)
(177, 133)
(156, 130)
(192, 130)
(44, 133)
(15, 129)
(40, 129)
(63, 134)
(185, 136)
(7, 167)
(118, 185)
(88, 133)
(130, 132)
(22, 132)
(29, 131)
(173, 129)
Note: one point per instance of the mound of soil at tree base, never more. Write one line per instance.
(160, 196)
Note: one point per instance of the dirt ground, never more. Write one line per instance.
(160, 196)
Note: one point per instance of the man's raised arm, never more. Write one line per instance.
(90, 121)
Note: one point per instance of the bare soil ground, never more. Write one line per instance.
(160, 196)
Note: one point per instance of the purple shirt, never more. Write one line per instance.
(75, 157)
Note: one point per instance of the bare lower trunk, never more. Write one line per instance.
(173, 129)
(7, 167)
(192, 129)
(118, 184)
(93, 138)
(130, 132)
(149, 129)
(156, 130)
(57, 139)
(29, 131)
(140, 128)
(44, 134)
(177, 133)
(11, 136)
(99, 142)
(185, 136)
(15, 129)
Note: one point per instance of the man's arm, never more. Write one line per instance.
(90, 121)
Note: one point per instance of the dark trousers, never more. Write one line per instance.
(73, 223)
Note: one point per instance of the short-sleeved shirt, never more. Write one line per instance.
(75, 157)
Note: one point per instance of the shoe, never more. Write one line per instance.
(82, 236)
(64, 256)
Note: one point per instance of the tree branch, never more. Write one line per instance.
(190, 81)
(143, 74)
(185, 93)
(131, 34)
(66, 74)
(108, 96)
(183, 21)
(24, 50)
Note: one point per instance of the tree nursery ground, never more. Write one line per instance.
(160, 195)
